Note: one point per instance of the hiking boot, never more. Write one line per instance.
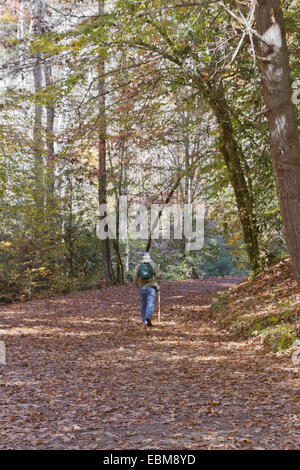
(148, 322)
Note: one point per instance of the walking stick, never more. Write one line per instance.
(159, 305)
(158, 298)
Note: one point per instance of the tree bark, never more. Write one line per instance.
(125, 193)
(105, 244)
(281, 112)
(21, 39)
(232, 155)
(50, 110)
(37, 12)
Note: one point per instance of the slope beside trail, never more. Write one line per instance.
(84, 373)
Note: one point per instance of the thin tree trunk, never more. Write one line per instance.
(125, 192)
(50, 110)
(50, 202)
(69, 229)
(105, 244)
(37, 12)
(21, 39)
(188, 180)
(120, 268)
(284, 133)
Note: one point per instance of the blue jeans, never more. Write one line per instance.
(147, 294)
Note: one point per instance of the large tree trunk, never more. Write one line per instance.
(105, 244)
(232, 155)
(284, 134)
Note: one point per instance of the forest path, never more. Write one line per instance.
(84, 373)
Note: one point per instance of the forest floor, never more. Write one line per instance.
(83, 372)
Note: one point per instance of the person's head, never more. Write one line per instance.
(146, 257)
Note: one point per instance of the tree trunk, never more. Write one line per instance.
(284, 134)
(37, 12)
(105, 244)
(50, 109)
(232, 156)
(50, 197)
(120, 267)
(21, 36)
(188, 180)
(124, 191)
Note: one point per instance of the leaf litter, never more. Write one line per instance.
(83, 372)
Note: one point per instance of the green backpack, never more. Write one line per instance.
(145, 271)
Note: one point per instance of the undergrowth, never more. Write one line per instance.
(267, 308)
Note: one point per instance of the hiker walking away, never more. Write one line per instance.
(147, 277)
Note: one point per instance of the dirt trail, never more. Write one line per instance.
(84, 373)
